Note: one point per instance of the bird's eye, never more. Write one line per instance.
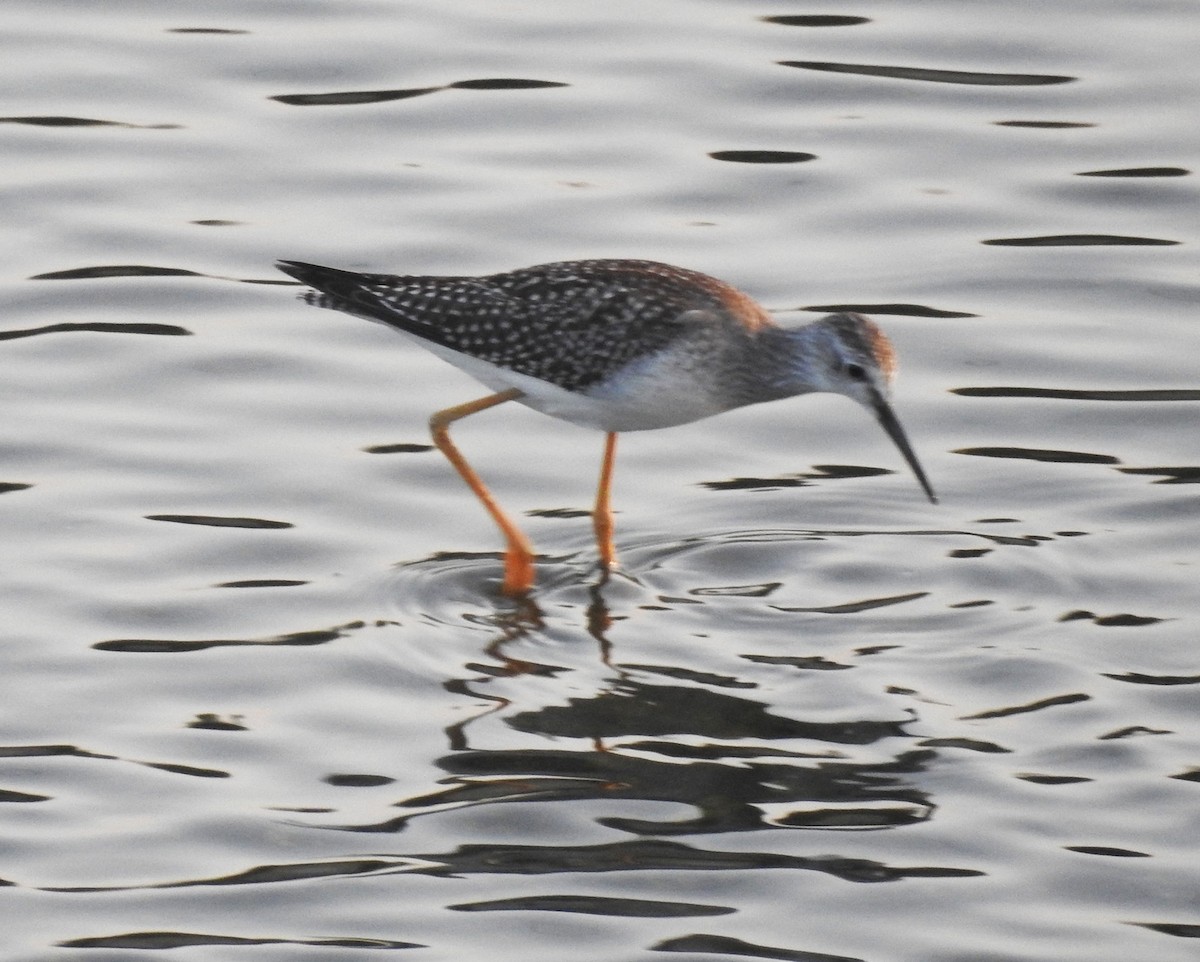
(856, 371)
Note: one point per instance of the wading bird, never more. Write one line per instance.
(614, 345)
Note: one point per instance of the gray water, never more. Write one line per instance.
(261, 699)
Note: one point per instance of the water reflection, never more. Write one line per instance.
(180, 940)
(762, 156)
(640, 855)
(1137, 172)
(1153, 394)
(815, 20)
(106, 327)
(724, 945)
(319, 636)
(705, 742)
(933, 76)
(1080, 240)
(596, 905)
(353, 97)
(64, 121)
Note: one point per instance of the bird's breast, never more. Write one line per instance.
(661, 390)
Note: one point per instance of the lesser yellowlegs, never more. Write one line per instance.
(614, 345)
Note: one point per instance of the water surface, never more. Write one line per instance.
(262, 698)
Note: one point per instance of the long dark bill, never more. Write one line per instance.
(889, 422)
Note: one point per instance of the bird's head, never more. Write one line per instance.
(850, 355)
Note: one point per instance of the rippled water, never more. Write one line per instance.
(262, 699)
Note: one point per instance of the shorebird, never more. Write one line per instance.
(613, 345)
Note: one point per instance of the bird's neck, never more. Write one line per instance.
(785, 363)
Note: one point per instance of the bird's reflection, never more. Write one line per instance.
(719, 758)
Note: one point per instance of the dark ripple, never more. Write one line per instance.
(1123, 620)
(506, 83)
(1137, 678)
(1181, 930)
(848, 817)
(1078, 395)
(968, 744)
(1040, 454)
(262, 583)
(596, 905)
(1080, 240)
(1188, 474)
(219, 521)
(558, 784)
(216, 30)
(1106, 850)
(48, 751)
(638, 708)
(681, 673)
(454, 588)
(801, 662)
(8, 795)
(932, 76)
(821, 472)
(560, 513)
(145, 270)
(105, 327)
(264, 875)
(724, 945)
(1039, 705)
(189, 770)
(179, 940)
(60, 121)
(1043, 124)
(819, 534)
(762, 156)
(114, 270)
(645, 855)
(52, 121)
(764, 590)
(715, 751)
(72, 751)
(661, 855)
(902, 310)
(462, 589)
(353, 97)
(816, 20)
(1137, 172)
(168, 646)
(730, 787)
(357, 781)
(208, 721)
(1132, 731)
(856, 607)
(398, 448)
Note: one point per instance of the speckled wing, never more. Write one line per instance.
(572, 324)
(457, 312)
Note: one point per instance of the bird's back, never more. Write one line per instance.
(573, 324)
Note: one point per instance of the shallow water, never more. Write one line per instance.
(262, 698)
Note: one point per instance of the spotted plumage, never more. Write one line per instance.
(572, 324)
(615, 345)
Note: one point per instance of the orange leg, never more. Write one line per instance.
(602, 516)
(518, 555)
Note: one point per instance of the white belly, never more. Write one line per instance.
(652, 394)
